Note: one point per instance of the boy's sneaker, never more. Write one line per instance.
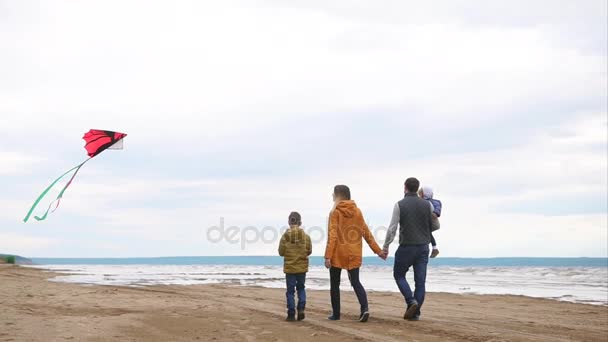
(411, 311)
(415, 318)
(333, 318)
(364, 316)
(301, 315)
(434, 253)
(291, 317)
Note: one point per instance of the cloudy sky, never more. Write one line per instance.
(246, 110)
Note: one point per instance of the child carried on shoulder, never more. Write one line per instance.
(426, 192)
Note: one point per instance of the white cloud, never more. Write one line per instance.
(23, 244)
(477, 189)
(207, 85)
(209, 68)
(16, 162)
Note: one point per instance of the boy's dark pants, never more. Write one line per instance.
(353, 275)
(295, 281)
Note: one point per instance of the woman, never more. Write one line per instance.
(346, 229)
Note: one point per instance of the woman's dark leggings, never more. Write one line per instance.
(353, 275)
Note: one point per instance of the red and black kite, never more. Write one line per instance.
(96, 141)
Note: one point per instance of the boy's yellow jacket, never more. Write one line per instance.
(295, 247)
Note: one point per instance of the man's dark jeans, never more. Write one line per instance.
(405, 257)
(295, 281)
(353, 275)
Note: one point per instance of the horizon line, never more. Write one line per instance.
(320, 256)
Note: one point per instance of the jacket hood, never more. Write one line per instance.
(294, 234)
(347, 208)
(427, 192)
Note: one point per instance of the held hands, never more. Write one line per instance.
(383, 254)
(327, 263)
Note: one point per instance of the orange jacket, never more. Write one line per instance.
(345, 230)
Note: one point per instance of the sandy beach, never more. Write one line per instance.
(35, 309)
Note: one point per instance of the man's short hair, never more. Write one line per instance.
(412, 184)
(295, 219)
(342, 191)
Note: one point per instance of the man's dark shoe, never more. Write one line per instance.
(301, 315)
(364, 316)
(291, 317)
(412, 310)
(333, 318)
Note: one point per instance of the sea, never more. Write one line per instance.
(580, 280)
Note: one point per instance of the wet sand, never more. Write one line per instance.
(35, 309)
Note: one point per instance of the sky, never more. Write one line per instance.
(243, 111)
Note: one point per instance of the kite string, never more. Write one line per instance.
(58, 199)
(77, 167)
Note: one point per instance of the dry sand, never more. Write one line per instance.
(34, 309)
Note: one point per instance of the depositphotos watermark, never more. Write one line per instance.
(251, 235)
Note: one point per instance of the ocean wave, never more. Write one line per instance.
(575, 284)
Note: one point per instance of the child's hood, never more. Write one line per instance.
(347, 208)
(427, 192)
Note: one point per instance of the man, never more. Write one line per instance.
(415, 219)
(345, 230)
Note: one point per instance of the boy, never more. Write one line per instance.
(295, 247)
(426, 193)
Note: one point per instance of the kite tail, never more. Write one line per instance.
(58, 199)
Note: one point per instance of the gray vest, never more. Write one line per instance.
(415, 220)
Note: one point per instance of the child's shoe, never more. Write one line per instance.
(291, 317)
(435, 252)
(301, 315)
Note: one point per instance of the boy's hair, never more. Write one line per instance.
(295, 219)
(412, 184)
(342, 191)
